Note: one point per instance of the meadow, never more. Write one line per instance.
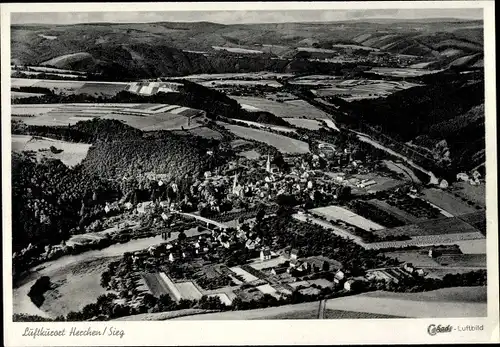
(434, 304)
(230, 83)
(96, 88)
(72, 153)
(310, 124)
(286, 109)
(447, 201)
(342, 214)
(237, 50)
(350, 90)
(282, 143)
(402, 72)
(434, 227)
(147, 117)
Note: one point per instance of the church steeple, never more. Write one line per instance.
(235, 184)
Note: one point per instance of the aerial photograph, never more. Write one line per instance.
(248, 165)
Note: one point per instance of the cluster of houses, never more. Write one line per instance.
(473, 179)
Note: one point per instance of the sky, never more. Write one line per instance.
(239, 17)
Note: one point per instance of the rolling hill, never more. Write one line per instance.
(163, 49)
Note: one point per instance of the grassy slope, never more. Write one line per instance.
(154, 48)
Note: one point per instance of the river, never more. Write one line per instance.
(23, 304)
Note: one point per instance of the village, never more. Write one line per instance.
(222, 254)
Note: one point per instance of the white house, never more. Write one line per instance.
(144, 207)
(171, 257)
(462, 176)
(294, 254)
(409, 267)
(250, 244)
(443, 184)
(339, 276)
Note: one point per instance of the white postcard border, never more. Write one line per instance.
(360, 331)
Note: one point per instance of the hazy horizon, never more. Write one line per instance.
(243, 17)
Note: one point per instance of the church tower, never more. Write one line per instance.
(268, 164)
(235, 184)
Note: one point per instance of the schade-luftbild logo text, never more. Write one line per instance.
(434, 329)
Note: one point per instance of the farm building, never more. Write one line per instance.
(339, 276)
(462, 177)
(265, 254)
(145, 206)
(354, 284)
(409, 267)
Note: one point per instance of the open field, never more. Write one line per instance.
(477, 246)
(237, 50)
(434, 227)
(267, 126)
(429, 240)
(72, 154)
(295, 311)
(350, 90)
(246, 276)
(477, 220)
(402, 169)
(416, 257)
(339, 46)
(454, 294)
(339, 213)
(235, 76)
(62, 60)
(19, 95)
(402, 72)
(224, 83)
(286, 109)
(68, 295)
(96, 88)
(307, 314)
(338, 314)
(317, 80)
(48, 70)
(413, 305)
(282, 143)
(463, 260)
(136, 115)
(310, 124)
(477, 194)
(38, 73)
(156, 284)
(267, 289)
(400, 214)
(447, 201)
(188, 290)
(442, 303)
(162, 315)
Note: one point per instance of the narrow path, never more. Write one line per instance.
(321, 309)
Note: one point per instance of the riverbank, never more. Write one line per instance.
(77, 276)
